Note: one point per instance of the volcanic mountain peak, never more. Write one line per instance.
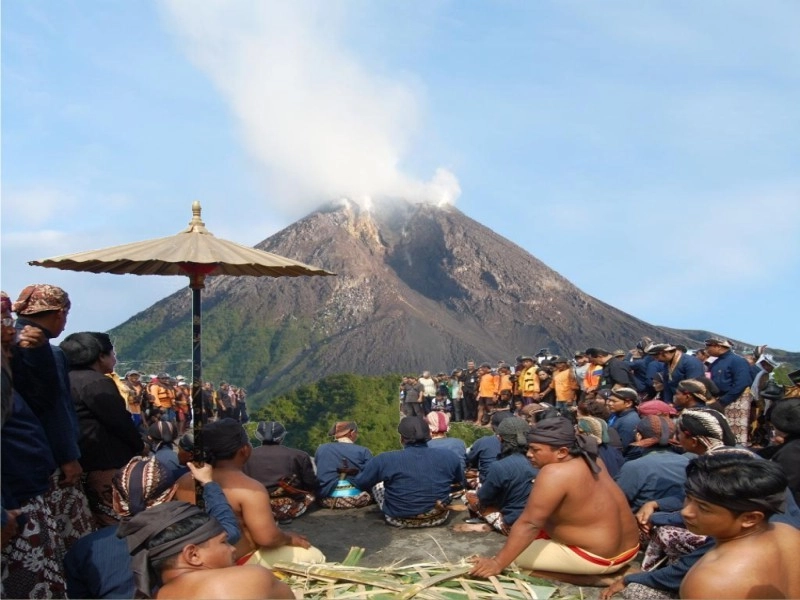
(418, 287)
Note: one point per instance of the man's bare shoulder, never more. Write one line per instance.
(229, 583)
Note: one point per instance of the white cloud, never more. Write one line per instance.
(35, 206)
(309, 111)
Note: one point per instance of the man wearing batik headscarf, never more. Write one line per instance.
(185, 553)
(660, 471)
(45, 308)
(99, 565)
(287, 473)
(410, 496)
(577, 522)
(439, 424)
(262, 542)
(503, 495)
(337, 462)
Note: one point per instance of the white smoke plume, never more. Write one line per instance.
(313, 118)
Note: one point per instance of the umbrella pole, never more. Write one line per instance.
(196, 283)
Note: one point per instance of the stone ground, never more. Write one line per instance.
(334, 532)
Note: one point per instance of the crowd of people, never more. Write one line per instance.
(686, 460)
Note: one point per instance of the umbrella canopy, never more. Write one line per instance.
(193, 249)
(194, 252)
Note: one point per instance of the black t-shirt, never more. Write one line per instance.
(469, 379)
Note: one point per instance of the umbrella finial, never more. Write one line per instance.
(196, 224)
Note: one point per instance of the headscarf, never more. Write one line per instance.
(342, 428)
(559, 432)
(695, 389)
(512, 436)
(657, 408)
(41, 297)
(163, 433)
(141, 528)
(270, 432)
(438, 421)
(142, 483)
(707, 426)
(597, 428)
(786, 416)
(414, 430)
(654, 430)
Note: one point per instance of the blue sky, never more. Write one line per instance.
(647, 151)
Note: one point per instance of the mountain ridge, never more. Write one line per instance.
(417, 287)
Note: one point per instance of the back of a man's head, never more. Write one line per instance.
(222, 439)
(737, 480)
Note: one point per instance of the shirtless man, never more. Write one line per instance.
(730, 497)
(577, 520)
(189, 553)
(262, 541)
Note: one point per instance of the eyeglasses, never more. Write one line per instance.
(8, 321)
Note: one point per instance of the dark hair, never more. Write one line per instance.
(173, 532)
(593, 408)
(83, 349)
(595, 352)
(738, 481)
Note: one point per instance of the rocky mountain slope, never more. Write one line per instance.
(417, 287)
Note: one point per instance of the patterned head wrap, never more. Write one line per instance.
(142, 483)
(655, 431)
(270, 432)
(342, 428)
(597, 428)
(41, 297)
(5, 301)
(657, 408)
(707, 426)
(142, 528)
(438, 421)
(695, 389)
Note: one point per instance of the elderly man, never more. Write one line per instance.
(577, 521)
(337, 462)
(410, 496)
(731, 373)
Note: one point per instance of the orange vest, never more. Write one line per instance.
(565, 385)
(164, 397)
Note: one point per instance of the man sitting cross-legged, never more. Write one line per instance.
(262, 542)
(731, 497)
(577, 521)
(412, 486)
(185, 551)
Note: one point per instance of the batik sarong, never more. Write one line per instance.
(342, 502)
(431, 518)
(70, 509)
(738, 415)
(31, 561)
(489, 514)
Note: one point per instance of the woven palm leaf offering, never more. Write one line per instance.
(428, 581)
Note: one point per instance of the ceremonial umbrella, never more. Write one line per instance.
(194, 252)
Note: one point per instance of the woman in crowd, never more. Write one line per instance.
(108, 437)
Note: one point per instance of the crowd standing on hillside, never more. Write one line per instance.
(688, 459)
